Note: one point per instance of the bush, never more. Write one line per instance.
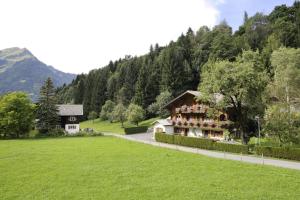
(279, 152)
(85, 134)
(166, 138)
(57, 132)
(201, 143)
(233, 148)
(133, 130)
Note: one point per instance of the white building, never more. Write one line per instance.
(163, 126)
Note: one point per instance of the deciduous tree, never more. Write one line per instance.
(107, 111)
(119, 113)
(92, 115)
(241, 83)
(135, 114)
(16, 115)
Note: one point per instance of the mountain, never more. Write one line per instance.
(20, 70)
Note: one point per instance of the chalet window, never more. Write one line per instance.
(72, 119)
(72, 127)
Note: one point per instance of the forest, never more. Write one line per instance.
(178, 66)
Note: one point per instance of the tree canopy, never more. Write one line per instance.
(135, 114)
(16, 115)
(241, 83)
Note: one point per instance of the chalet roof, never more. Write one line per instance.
(218, 96)
(70, 110)
(164, 122)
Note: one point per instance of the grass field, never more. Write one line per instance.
(110, 168)
(115, 127)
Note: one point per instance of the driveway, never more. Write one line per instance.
(142, 136)
(146, 138)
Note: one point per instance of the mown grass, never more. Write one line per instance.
(110, 168)
(115, 127)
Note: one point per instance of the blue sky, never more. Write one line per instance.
(233, 10)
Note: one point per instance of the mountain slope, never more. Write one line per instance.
(20, 70)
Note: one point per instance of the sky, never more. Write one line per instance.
(77, 36)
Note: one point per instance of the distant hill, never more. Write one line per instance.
(20, 70)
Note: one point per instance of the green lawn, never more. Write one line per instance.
(115, 127)
(111, 168)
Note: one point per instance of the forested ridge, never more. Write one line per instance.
(177, 66)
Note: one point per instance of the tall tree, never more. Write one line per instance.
(282, 118)
(158, 107)
(47, 111)
(241, 83)
(107, 111)
(119, 113)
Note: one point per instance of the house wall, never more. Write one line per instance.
(195, 132)
(72, 128)
(161, 128)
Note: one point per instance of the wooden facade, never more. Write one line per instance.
(190, 118)
(70, 116)
(69, 120)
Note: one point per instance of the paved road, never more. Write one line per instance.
(146, 138)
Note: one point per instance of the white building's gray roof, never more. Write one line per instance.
(70, 110)
(164, 122)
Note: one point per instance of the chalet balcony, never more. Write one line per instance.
(200, 123)
(191, 109)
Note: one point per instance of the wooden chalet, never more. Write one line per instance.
(189, 117)
(70, 117)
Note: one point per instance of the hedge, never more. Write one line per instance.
(233, 148)
(201, 143)
(133, 130)
(279, 152)
(193, 142)
(166, 138)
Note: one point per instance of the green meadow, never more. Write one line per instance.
(114, 127)
(111, 168)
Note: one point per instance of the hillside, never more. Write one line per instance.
(20, 70)
(178, 66)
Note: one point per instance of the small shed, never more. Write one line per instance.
(163, 126)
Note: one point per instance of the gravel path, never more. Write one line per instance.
(146, 138)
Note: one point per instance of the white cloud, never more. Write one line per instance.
(79, 35)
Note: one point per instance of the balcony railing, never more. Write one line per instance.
(191, 109)
(206, 123)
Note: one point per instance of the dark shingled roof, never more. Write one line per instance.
(70, 110)
(217, 96)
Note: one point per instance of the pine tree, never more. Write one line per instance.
(47, 109)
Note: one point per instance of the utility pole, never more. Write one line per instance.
(258, 125)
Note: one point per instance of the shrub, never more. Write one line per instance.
(193, 142)
(57, 132)
(279, 152)
(133, 130)
(201, 143)
(233, 148)
(85, 134)
(166, 138)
